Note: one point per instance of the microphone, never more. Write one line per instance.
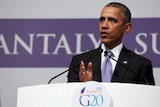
(99, 52)
(145, 80)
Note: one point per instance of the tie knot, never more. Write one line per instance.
(108, 53)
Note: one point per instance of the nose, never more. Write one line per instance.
(104, 25)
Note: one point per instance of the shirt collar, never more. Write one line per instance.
(116, 50)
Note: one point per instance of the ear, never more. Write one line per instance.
(127, 28)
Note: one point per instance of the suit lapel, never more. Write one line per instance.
(120, 70)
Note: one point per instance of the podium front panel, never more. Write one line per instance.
(62, 95)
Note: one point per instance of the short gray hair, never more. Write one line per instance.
(125, 10)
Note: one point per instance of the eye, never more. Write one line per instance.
(112, 19)
(101, 19)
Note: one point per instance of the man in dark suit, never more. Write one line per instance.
(126, 66)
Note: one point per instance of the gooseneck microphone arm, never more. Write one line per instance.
(99, 52)
(145, 80)
(57, 76)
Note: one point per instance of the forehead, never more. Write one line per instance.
(111, 11)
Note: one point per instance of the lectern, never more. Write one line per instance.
(64, 95)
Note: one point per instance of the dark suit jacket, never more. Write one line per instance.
(139, 72)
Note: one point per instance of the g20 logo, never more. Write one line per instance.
(91, 100)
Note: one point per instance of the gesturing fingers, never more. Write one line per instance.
(85, 75)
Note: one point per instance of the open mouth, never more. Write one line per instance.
(104, 34)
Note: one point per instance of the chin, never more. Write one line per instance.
(104, 41)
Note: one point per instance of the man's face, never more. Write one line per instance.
(111, 27)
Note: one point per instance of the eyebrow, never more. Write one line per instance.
(112, 19)
(109, 18)
(102, 18)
